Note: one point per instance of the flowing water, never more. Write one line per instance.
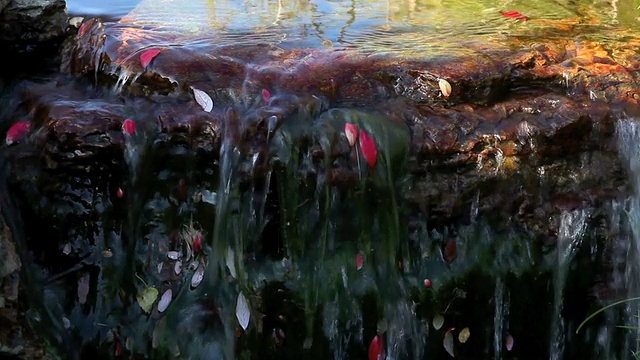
(226, 251)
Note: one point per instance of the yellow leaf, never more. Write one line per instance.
(445, 87)
(147, 297)
(464, 334)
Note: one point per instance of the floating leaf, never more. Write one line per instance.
(203, 99)
(351, 132)
(464, 334)
(129, 127)
(197, 277)
(514, 15)
(147, 56)
(173, 255)
(231, 262)
(509, 342)
(375, 348)
(242, 311)
(119, 193)
(427, 283)
(448, 343)
(83, 288)
(369, 149)
(165, 299)
(17, 131)
(359, 261)
(438, 321)
(147, 297)
(265, 95)
(177, 268)
(445, 87)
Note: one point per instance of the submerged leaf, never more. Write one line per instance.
(445, 87)
(83, 288)
(197, 277)
(129, 127)
(438, 321)
(448, 343)
(147, 56)
(369, 149)
(265, 95)
(147, 297)
(359, 261)
(242, 311)
(351, 132)
(230, 260)
(375, 348)
(165, 299)
(203, 99)
(464, 334)
(17, 131)
(427, 283)
(509, 342)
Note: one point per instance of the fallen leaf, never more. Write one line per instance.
(230, 260)
(445, 87)
(448, 343)
(17, 131)
(197, 277)
(514, 15)
(65, 322)
(129, 127)
(375, 349)
(147, 297)
(438, 321)
(464, 334)
(119, 193)
(242, 311)
(83, 288)
(147, 56)
(197, 243)
(265, 95)
(107, 253)
(85, 26)
(450, 251)
(165, 299)
(66, 249)
(509, 342)
(177, 268)
(427, 283)
(173, 255)
(369, 149)
(359, 261)
(351, 132)
(203, 99)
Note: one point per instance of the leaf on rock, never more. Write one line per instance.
(165, 299)
(438, 321)
(448, 343)
(242, 311)
(359, 261)
(464, 334)
(203, 99)
(147, 56)
(375, 348)
(445, 87)
(265, 95)
(230, 260)
(147, 297)
(17, 131)
(351, 132)
(514, 15)
(369, 149)
(197, 277)
(83, 288)
(129, 127)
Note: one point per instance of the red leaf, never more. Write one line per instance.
(514, 15)
(17, 131)
(85, 26)
(129, 127)
(359, 261)
(376, 348)
(119, 193)
(351, 132)
(147, 56)
(369, 149)
(197, 243)
(450, 251)
(265, 95)
(427, 283)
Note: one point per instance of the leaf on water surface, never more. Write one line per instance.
(197, 277)
(369, 149)
(514, 15)
(242, 311)
(203, 99)
(129, 127)
(265, 95)
(147, 297)
(17, 131)
(445, 87)
(165, 299)
(359, 261)
(375, 348)
(177, 268)
(448, 343)
(351, 132)
(509, 342)
(173, 255)
(147, 56)
(230, 260)
(83, 288)
(464, 334)
(438, 321)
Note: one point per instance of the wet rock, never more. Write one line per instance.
(25, 24)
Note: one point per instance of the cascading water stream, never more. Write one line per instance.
(572, 227)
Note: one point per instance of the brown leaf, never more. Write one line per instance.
(450, 251)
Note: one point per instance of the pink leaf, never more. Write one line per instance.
(376, 349)
(427, 283)
(351, 132)
(265, 95)
(17, 131)
(509, 342)
(147, 56)
(359, 261)
(129, 127)
(369, 149)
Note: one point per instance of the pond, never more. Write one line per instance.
(331, 179)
